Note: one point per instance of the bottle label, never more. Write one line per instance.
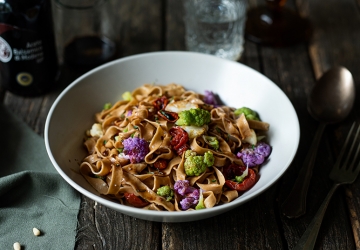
(22, 49)
(32, 51)
(5, 51)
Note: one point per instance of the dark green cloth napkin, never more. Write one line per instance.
(32, 193)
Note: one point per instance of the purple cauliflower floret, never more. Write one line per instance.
(190, 195)
(263, 149)
(255, 156)
(210, 98)
(188, 202)
(250, 158)
(136, 149)
(183, 187)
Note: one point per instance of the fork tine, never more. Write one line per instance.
(357, 169)
(342, 152)
(350, 152)
(344, 175)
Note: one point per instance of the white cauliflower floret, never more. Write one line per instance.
(179, 106)
(96, 130)
(252, 139)
(194, 131)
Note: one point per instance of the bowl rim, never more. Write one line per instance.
(132, 211)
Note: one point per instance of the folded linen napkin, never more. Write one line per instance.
(32, 193)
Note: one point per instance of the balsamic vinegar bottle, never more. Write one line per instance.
(28, 59)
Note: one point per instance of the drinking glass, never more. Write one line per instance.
(215, 27)
(85, 32)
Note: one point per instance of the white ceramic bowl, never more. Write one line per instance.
(238, 85)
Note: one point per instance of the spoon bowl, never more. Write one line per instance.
(330, 101)
(333, 96)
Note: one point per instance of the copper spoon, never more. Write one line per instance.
(330, 101)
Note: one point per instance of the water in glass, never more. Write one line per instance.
(216, 27)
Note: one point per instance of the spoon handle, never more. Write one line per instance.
(295, 204)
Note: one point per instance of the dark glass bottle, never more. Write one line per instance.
(28, 59)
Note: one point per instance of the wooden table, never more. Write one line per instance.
(155, 25)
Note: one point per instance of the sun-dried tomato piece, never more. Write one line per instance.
(135, 201)
(160, 103)
(182, 149)
(232, 170)
(179, 138)
(161, 164)
(169, 116)
(246, 184)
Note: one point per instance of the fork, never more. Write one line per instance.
(343, 172)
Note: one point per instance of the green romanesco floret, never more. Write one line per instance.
(242, 177)
(194, 117)
(200, 204)
(107, 106)
(166, 192)
(212, 141)
(249, 113)
(195, 165)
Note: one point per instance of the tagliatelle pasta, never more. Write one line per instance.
(168, 148)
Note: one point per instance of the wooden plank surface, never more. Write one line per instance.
(153, 25)
(334, 24)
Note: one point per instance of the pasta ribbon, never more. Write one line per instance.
(118, 172)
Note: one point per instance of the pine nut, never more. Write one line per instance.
(17, 246)
(36, 231)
